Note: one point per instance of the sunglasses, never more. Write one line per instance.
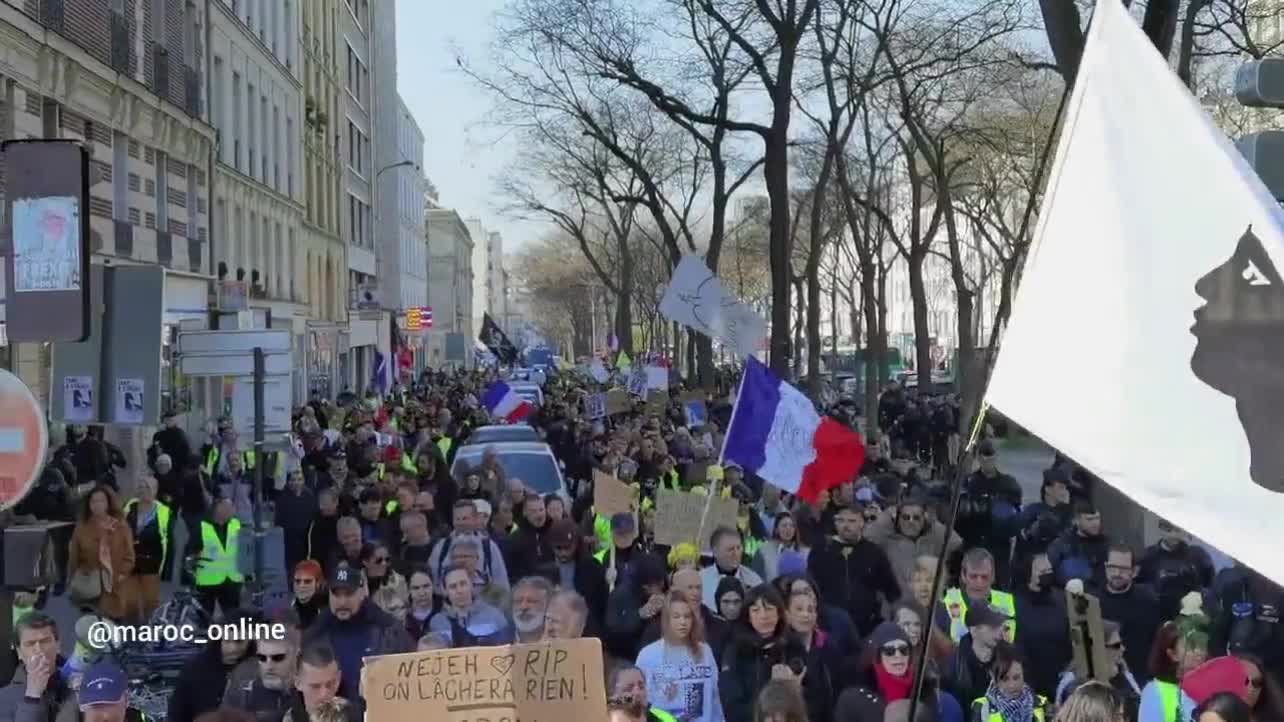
(380, 560)
(1115, 645)
(895, 650)
(303, 580)
(1255, 682)
(271, 657)
(911, 517)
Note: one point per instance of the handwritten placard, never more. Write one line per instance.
(618, 402)
(545, 682)
(610, 495)
(678, 513)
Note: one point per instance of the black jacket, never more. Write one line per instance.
(963, 675)
(1174, 573)
(200, 685)
(528, 549)
(746, 669)
(1136, 612)
(148, 546)
(854, 576)
(1044, 636)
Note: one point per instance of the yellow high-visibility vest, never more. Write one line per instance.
(955, 602)
(219, 561)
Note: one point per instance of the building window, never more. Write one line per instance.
(236, 120)
(263, 118)
(289, 157)
(250, 135)
(162, 190)
(276, 147)
(119, 176)
(217, 110)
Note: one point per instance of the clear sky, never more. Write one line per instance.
(462, 155)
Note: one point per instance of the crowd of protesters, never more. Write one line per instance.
(801, 611)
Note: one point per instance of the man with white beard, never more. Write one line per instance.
(530, 604)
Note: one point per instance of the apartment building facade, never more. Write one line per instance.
(125, 79)
(325, 252)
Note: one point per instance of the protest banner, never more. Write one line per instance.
(697, 414)
(610, 495)
(678, 515)
(618, 402)
(551, 681)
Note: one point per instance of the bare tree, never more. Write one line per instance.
(760, 38)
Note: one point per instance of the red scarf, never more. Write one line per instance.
(893, 688)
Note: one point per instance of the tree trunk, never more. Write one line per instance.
(880, 333)
(875, 351)
(623, 322)
(704, 360)
(922, 331)
(776, 175)
(833, 329)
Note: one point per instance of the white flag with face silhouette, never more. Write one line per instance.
(1147, 336)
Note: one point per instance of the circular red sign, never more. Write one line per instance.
(24, 438)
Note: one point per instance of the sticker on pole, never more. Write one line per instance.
(23, 439)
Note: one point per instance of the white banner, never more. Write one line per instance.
(695, 299)
(1153, 220)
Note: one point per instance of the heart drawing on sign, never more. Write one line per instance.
(502, 664)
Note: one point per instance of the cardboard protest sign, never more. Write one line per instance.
(657, 401)
(618, 402)
(545, 682)
(610, 495)
(678, 513)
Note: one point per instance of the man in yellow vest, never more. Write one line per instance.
(977, 575)
(217, 552)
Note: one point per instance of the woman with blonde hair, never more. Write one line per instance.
(1093, 702)
(680, 670)
(101, 561)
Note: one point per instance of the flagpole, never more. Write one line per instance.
(968, 452)
(722, 454)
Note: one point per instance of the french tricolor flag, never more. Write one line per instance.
(502, 403)
(776, 433)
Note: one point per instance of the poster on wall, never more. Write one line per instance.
(46, 244)
(78, 400)
(129, 401)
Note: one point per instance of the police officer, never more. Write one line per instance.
(217, 548)
(1174, 568)
(989, 509)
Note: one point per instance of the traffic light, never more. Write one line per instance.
(1260, 84)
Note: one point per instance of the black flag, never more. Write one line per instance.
(494, 339)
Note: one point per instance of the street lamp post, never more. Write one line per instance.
(378, 206)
